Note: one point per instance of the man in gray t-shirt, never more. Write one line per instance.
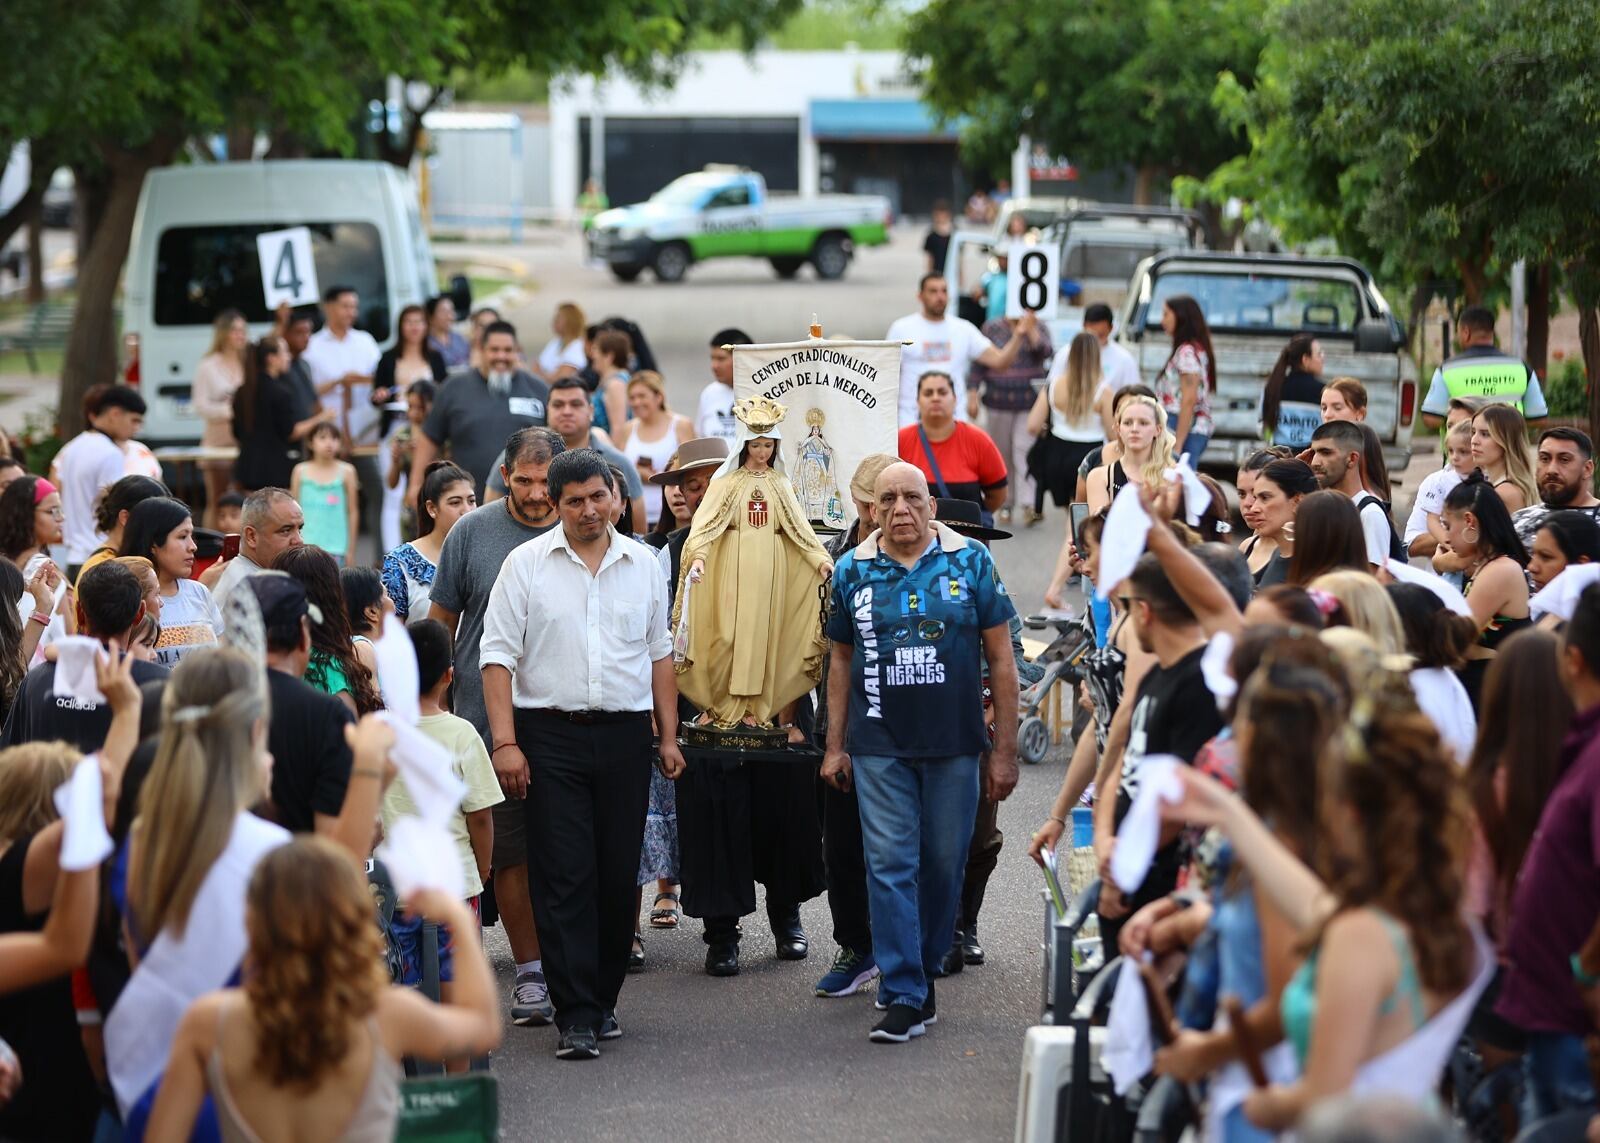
(469, 563)
(476, 410)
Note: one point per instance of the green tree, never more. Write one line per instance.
(1110, 83)
(120, 87)
(1437, 139)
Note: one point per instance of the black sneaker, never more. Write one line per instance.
(609, 1028)
(900, 1023)
(578, 1043)
(930, 1011)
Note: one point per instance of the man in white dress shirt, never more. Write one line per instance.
(340, 356)
(576, 653)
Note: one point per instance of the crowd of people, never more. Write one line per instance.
(1376, 780)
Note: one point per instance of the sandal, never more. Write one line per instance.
(665, 918)
(636, 954)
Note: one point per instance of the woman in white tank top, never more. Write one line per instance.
(1073, 410)
(652, 435)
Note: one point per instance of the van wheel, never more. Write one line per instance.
(831, 256)
(671, 262)
(626, 271)
(788, 267)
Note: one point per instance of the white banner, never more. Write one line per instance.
(842, 401)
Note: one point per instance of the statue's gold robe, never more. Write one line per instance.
(754, 626)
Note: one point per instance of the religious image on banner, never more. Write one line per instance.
(845, 394)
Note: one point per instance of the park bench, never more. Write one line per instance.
(45, 327)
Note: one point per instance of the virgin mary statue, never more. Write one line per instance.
(747, 610)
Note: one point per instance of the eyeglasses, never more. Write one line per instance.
(56, 513)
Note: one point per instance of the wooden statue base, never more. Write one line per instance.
(707, 736)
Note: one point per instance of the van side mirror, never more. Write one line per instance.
(461, 294)
(1377, 335)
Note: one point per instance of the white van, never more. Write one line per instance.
(193, 255)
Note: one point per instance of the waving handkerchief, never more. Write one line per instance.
(1448, 593)
(1122, 540)
(75, 658)
(1560, 595)
(80, 801)
(426, 769)
(397, 671)
(1129, 1051)
(1214, 669)
(422, 855)
(1196, 496)
(1140, 832)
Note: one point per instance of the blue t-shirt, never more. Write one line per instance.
(916, 675)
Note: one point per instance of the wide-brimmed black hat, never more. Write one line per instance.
(967, 518)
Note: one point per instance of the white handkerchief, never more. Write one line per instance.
(422, 855)
(84, 840)
(1560, 595)
(1196, 496)
(1122, 540)
(1140, 833)
(75, 657)
(58, 595)
(1214, 669)
(426, 768)
(1448, 593)
(1129, 1051)
(397, 671)
(55, 631)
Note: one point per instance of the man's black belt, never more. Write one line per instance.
(592, 717)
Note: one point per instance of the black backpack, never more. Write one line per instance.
(1397, 549)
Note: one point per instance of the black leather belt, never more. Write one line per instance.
(593, 717)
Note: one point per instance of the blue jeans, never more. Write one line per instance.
(916, 824)
(1194, 444)
(1556, 1076)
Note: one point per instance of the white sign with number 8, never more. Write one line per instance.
(287, 272)
(1033, 280)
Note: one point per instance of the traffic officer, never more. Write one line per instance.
(1481, 371)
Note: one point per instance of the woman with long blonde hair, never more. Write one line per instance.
(1071, 416)
(652, 437)
(563, 355)
(216, 378)
(309, 1048)
(1146, 454)
(1365, 605)
(1500, 448)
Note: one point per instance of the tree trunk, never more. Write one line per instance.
(1144, 184)
(17, 217)
(1589, 339)
(92, 342)
(1539, 318)
(1474, 282)
(35, 293)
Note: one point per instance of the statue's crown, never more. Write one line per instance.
(759, 414)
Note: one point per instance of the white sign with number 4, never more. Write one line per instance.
(287, 272)
(1033, 280)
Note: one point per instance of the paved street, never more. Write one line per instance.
(759, 1057)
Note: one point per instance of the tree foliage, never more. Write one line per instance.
(119, 87)
(1109, 83)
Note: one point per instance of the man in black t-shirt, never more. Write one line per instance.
(113, 604)
(937, 244)
(310, 758)
(1173, 713)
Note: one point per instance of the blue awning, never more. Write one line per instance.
(877, 119)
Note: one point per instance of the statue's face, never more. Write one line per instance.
(760, 451)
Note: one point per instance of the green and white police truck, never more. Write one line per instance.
(726, 212)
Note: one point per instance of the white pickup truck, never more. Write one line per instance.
(726, 212)
(1254, 303)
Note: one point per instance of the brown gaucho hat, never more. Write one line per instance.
(702, 452)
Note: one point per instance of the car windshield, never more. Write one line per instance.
(203, 270)
(683, 192)
(1279, 303)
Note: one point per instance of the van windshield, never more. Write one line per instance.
(203, 270)
(1281, 303)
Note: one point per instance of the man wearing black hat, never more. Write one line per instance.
(310, 758)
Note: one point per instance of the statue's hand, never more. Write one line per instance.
(826, 569)
(697, 570)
